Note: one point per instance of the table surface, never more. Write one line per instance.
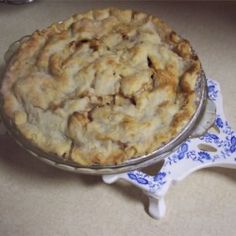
(36, 199)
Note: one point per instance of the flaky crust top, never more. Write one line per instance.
(102, 87)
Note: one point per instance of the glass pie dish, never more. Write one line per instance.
(131, 164)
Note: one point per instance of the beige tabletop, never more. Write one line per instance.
(36, 199)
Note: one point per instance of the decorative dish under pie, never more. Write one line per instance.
(102, 87)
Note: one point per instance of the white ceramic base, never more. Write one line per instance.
(217, 147)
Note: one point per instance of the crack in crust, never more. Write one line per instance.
(102, 87)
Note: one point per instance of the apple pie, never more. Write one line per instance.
(102, 87)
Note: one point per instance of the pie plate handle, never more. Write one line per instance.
(217, 147)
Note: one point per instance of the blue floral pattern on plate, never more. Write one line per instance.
(212, 90)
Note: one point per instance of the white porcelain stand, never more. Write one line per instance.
(217, 147)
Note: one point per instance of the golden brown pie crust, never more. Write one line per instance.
(102, 87)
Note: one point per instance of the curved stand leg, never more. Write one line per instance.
(157, 207)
